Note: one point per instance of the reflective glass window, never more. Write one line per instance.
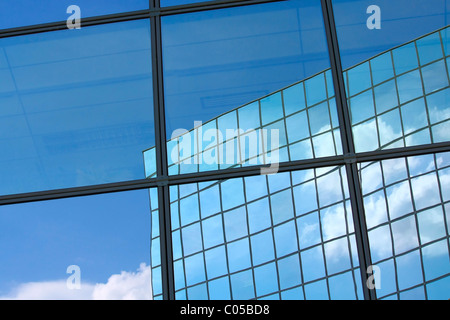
(243, 117)
(398, 48)
(19, 13)
(76, 107)
(271, 243)
(69, 248)
(408, 229)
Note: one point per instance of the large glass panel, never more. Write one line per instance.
(91, 247)
(75, 107)
(19, 13)
(407, 213)
(167, 3)
(273, 244)
(394, 56)
(249, 85)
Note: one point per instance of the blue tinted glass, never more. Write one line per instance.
(409, 270)
(394, 170)
(216, 263)
(242, 285)
(235, 224)
(400, 21)
(342, 287)
(436, 260)
(388, 280)
(281, 204)
(315, 90)
(438, 290)
(212, 231)
(431, 189)
(284, 234)
(405, 58)
(389, 128)
(232, 193)
(380, 243)
(409, 86)
(249, 116)
(309, 230)
(434, 76)
(445, 34)
(179, 274)
(289, 271)
(279, 181)
(297, 127)
(17, 13)
(271, 108)
(404, 235)
(262, 247)
(359, 78)
(219, 289)
(198, 292)
(192, 239)
(381, 67)
(180, 295)
(413, 294)
(305, 197)
(293, 294)
(429, 48)
(195, 269)
(294, 99)
(259, 215)
(255, 187)
(385, 96)
(337, 256)
(83, 231)
(166, 3)
(312, 264)
(266, 279)
(438, 105)
(219, 60)
(176, 240)
(78, 110)
(189, 209)
(210, 201)
(414, 115)
(238, 255)
(365, 136)
(362, 107)
(316, 290)
(319, 118)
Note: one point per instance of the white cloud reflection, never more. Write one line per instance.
(123, 286)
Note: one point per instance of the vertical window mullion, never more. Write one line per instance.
(167, 270)
(356, 200)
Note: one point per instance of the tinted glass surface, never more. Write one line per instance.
(396, 72)
(239, 76)
(75, 107)
(45, 246)
(282, 236)
(166, 3)
(406, 203)
(19, 13)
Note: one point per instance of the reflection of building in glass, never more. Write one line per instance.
(290, 235)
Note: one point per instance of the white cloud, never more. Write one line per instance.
(123, 286)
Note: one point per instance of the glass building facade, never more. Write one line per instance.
(293, 150)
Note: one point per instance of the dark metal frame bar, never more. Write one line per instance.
(163, 181)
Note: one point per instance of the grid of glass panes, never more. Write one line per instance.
(303, 115)
(288, 235)
(155, 248)
(407, 207)
(400, 98)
